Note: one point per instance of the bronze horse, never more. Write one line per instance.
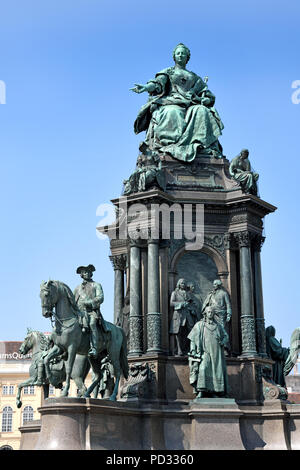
(39, 344)
(68, 337)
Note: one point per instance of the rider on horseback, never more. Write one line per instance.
(88, 296)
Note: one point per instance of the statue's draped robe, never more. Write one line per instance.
(106, 383)
(195, 306)
(279, 354)
(241, 171)
(175, 121)
(182, 315)
(143, 176)
(209, 375)
(219, 300)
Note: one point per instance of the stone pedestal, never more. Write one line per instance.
(30, 433)
(268, 427)
(293, 426)
(93, 424)
(170, 378)
(63, 423)
(215, 424)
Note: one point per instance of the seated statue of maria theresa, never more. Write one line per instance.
(179, 118)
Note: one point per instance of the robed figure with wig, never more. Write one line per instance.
(208, 374)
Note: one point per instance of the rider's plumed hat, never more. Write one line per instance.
(90, 268)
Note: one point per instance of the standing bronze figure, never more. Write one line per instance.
(89, 296)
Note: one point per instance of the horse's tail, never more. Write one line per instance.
(123, 356)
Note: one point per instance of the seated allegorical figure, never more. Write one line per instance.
(147, 173)
(279, 354)
(240, 170)
(179, 117)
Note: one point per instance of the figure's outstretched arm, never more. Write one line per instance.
(149, 87)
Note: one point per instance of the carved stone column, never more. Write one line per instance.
(231, 258)
(247, 299)
(164, 246)
(257, 243)
(119, 264)
(135, 316)
(153, 313)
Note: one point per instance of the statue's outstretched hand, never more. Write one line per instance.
(139, 88)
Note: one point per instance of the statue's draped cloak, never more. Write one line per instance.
(175, 121)
(182, 314)
(210, 374)
(279, 354)
(240, 170)
(219, 299)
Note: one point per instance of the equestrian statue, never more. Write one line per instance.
(79, 329)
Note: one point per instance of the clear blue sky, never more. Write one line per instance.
(67, 141)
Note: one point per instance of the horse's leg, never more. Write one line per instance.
(117, 352)
(80, 386)
(114, 394)
(46, 391)
(96, 379)
(93, 385)
(79, 372)
(117, 374)
(68, 366)
(29, 381)
(115, 360)
(53, 352)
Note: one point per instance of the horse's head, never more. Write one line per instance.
(28, 343)
(48, 294)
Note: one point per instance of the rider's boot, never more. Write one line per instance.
(94, 340)
(40, 376)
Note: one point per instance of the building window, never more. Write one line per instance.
(7, 414)
(8, 390)
(51, 390)
(29, 390)
(27, 414)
